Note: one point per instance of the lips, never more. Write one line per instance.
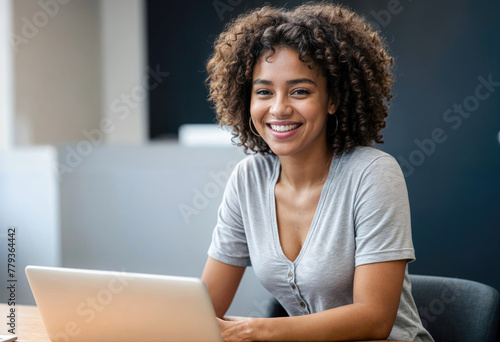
(283, 130)
(283, 126)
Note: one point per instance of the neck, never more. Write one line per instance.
(305, 171)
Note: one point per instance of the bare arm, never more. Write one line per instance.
(222, 281)
(377, 290)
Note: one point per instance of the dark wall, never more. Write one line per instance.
(180, 37)
(444, 130)
(444, 122)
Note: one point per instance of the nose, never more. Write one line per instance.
(280, 107)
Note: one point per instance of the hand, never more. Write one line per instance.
(235, 329)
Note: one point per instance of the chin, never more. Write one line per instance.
(283, 152)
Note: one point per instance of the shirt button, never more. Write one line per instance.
(293, 286)
(290, 275)
(302, 304)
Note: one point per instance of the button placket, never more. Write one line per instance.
(295, 290)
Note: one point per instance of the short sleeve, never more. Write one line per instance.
(229, 244)
(382, 214)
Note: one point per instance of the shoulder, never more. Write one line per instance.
(257, 167)
(365, 159)
(252, 174)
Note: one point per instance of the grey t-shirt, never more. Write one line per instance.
(362, 217)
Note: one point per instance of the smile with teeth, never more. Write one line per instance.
(284, 128)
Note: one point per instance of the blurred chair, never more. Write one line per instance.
(456, 310)
(452, 310)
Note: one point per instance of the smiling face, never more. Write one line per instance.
(290, 104)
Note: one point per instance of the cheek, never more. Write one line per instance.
(257, 110)
(315, 111)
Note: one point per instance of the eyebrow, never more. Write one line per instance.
(290, 82)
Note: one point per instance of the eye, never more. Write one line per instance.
(300, 92)
(263, 92)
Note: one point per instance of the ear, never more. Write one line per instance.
(333, 102)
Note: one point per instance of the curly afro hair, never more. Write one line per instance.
(349, 53)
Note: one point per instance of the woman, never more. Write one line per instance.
(321, 216)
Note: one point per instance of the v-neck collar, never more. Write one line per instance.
(317, 213)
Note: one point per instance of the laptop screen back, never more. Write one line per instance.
(93, 306)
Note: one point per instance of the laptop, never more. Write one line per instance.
(104, 306)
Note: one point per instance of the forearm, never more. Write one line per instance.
(346, 323)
